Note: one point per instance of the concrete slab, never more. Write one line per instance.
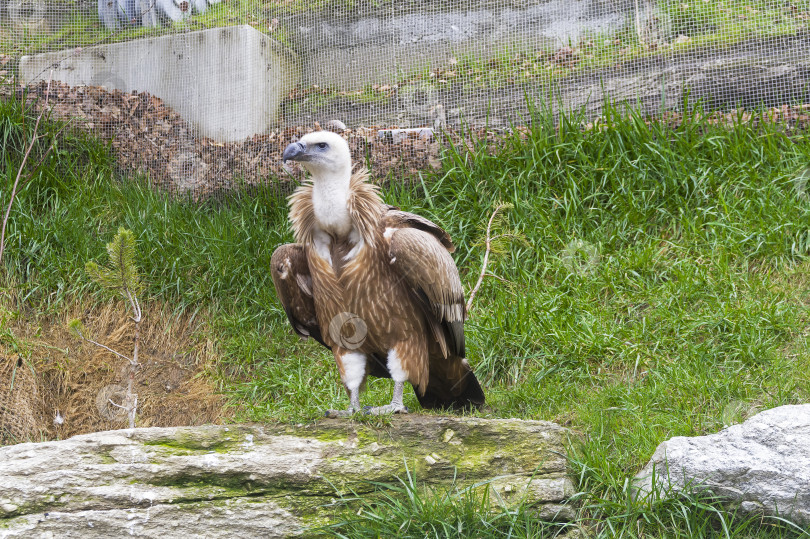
(226, 82)
(398, 135)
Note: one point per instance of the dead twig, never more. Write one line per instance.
(34, 138)
(91, 341)
(489, 240)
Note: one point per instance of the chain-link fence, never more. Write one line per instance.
(202, 95)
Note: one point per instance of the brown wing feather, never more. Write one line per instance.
(396, 218)
(293, 283)
(425, 264)
(421, 258)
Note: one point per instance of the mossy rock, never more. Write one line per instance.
(270, 480)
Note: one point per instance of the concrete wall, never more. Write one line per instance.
(227, 82)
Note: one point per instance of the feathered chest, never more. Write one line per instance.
(342, 257)
(347, 262)
(353, 278)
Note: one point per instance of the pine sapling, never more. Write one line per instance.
(120, 277)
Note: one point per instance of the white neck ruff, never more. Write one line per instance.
(330, 201)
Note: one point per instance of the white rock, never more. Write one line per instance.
(399, 135)
(761, 465)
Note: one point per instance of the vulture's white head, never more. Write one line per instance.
(325, 155)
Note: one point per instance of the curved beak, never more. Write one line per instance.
(297, 151)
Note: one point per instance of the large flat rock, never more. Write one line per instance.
(759, 466)
(227, 82)
(267, 481)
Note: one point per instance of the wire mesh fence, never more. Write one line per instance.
(201, 95)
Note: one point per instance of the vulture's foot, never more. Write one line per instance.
(354, 406)
(396, 406)
(387, 409)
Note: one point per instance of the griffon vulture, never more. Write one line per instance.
(375, 285)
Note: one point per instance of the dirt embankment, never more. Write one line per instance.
(53, 385)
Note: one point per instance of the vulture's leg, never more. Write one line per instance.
(396, 406)
(352, 367)
(400, 377)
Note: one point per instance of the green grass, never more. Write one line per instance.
(408, 510)
(82, 28)
(656, 285)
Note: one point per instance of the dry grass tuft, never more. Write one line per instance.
(70, 374)
(20, 402)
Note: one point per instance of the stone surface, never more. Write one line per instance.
(739, 76)
(266, 481)
(227, 82)
(760, 466)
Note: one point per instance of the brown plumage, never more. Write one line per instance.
(374, 284)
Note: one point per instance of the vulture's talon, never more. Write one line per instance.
(387, 409)
(334, 414)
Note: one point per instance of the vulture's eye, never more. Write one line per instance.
(323, 145)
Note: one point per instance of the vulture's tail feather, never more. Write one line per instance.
(459, 391)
